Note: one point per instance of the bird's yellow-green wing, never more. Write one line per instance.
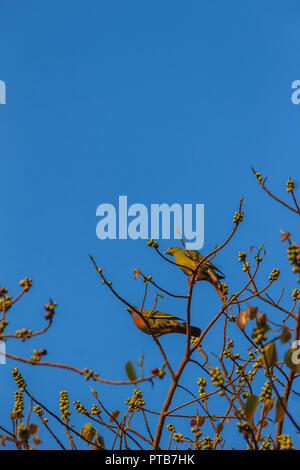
(157, 315)
(197, 257)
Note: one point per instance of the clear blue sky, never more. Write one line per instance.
(161, 101)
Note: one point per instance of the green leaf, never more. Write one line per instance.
(280, 410)
(270, 355)
(113, 415)
(292, 359)
(250, 407)
(130, 371)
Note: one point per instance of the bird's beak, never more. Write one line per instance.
(166, 252)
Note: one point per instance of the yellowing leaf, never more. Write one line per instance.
(270, 355)
(219, 428)
(280, 410)
(113, 415)
(33, 428)
(36, 440)
(285, 335)
(262, 320)
(242, 319)
(136, 273)
(245, 315)
(99, 442)
(93, 392)
(268, 405)
(200, 421)
(252, 312)
(292, 359)
(88, 432)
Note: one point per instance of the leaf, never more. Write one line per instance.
(88, 432)
(200, 421)
(252, 312)
(242, 319)
(285, 335)
(113, 415)
(36, 440)
(280, 410)
(219, 428)
(136, 273)
(251, 249)
(284, 236)
(245, 315)
(94, 392)
(268, 405)
(292, 359)
(99, 442)
(33, 428)
(130, 371)
(270, 355)
(250, 407)
(262, 320)
(141, 362)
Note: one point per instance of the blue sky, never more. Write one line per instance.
(163, 102)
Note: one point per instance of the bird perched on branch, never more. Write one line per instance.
(160, 323)
(188, 261)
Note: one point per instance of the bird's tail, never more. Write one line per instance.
(195, 331)
(215, 276)
(181, 328)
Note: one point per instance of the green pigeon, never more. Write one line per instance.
(190, 258)
(160, 323)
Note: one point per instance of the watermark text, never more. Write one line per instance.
(159, 221)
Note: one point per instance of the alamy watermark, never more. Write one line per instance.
(295, 357)
(2, 92)
(295, 96)
(161, 221)
(2, 352)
